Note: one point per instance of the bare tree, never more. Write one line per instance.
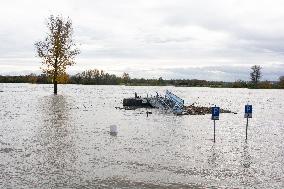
(57, 50)
(255, 74)
(281, 81)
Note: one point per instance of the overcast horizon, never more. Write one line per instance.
(181, 39)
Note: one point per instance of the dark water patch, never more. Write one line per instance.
(6, 150)
(3, 143)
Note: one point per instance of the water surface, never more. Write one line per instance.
(63, 141)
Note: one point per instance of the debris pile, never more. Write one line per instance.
(201, 110)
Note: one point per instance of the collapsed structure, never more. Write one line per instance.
(170, 102)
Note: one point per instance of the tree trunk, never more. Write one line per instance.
(55, 87)
(55, 77)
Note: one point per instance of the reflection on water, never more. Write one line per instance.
(56, 136)
(248, 173)
(214, 158)
(63, 141)
(246, 158)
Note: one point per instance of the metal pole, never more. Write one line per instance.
(214, 130)
(247, 128)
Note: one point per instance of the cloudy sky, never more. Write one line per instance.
(204, 39)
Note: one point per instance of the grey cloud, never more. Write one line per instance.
(249, 31)
(231, 33)
(171, 39)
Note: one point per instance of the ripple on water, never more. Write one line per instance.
(63, 141)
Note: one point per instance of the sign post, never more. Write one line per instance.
(248, 114)
(215, 116)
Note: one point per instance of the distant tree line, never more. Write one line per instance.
(99, 77)
(32, 78)
(95, 77)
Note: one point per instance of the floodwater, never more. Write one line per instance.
(63, 141)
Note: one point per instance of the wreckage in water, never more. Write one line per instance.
(170, 102)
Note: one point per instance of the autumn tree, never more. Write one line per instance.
(125, 77)
(32, 78)
(58, 49)
(255, 74)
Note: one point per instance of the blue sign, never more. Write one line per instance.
(248, 111)
(215, 113)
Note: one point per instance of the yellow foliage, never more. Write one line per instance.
(63, 78)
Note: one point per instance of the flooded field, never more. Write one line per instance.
(63, 141)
